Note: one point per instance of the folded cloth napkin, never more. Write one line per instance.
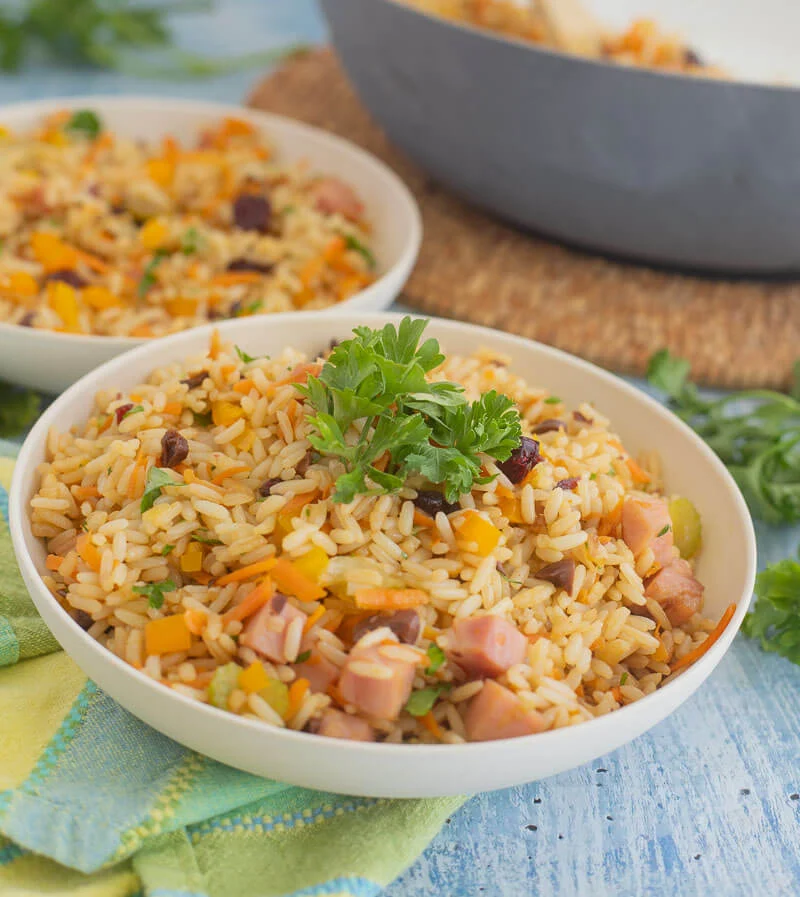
(95, 803)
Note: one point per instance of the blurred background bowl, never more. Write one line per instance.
(663, 168)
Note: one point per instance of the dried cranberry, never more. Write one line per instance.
(82, 619)
(690, 57)
(68, 276)
(122, 411)
(561, 574)
(251, 211)
(278, 602)
(27, 319)
(405, 624)
(522, 460)
(567, 484)
(174, 448)
(195, 380)
(247, 265)
(430, 502)
(265, 489)
(581, 418)
(549, 426)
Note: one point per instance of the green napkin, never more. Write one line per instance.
(95, 803)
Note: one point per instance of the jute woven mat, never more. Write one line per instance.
(476, 269)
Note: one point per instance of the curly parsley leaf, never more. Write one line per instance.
(154, 591)
(157, 479)
(84, 122)
(148, 278)
(19, 408)
(436, 657)
(354, 243)
(422, 701)
(775, 617)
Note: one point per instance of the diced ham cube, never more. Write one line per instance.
(378, 679)
(495, 712)
(266, 632)
(646, 524)
(319, 671)
(332, 196)
(677, 590)
(486, 646)
(336, 724)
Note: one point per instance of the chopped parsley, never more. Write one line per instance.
(552, 400)
(166, 550)
(663, 531)
(202, 419)
(148, 279)
(134, 409)
(422, 701)
(206, 540)
(157, 478)
(376, 382)
(154, 591)
(623, 678)
(354, 243)
(245, 358)
(436, 657)
(190, 241)
(19, 408)
(84, 122)
(302, 657)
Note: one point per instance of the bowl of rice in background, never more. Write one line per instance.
(189, 473)
(624, 148)
(127, 218)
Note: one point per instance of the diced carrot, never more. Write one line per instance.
(230, 472)
(253, 602)
(174, 408)
(292, 581)
(19, 285)
(161, 171)
(660, 655)
(333, 623)
(106, 423)
(236, 278)
(299, 374)
(615, 691)
(88, 552)
(390, 599)
(144, 331)
(100, 266)
(181, 307)
(609, 523)
(237, 127)
(215, 346)
(712, 637)
(167, 635)
(431, 725)
(81, 493)
(52, 252)
(54, 561)
(423, 520)
(309, 624)
(247, 572)
(335, 249)
(473, 528)
(202, 577)
(100, 298)
(297, 691)
(254, 678)
(638, 474)
(243, 386)
(196, 621)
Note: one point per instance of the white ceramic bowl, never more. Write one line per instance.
(726, 566)
(51, 361)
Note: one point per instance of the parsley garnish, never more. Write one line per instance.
(376, 382)
(157, 478)
(245, 358)
(155, 591)
(84, 122)
(206, 540)
(552, 400)
(190, 241)
(354, 243)
(203, 419)
(775, 617)
(134, 409)
(623, 678)
(422, 701)
(302, 657)
(148, 279)
(756, 434)
(436, 657)
(663, 531)
(167, 549)
(19, 408)
(253, 307)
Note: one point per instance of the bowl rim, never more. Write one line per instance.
(698, 672)
(412, 240)
(733, 82)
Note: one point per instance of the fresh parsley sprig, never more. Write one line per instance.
(756, 433)
(775, 617)
(375, 386)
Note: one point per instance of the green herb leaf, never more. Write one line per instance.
(552, 400)
(167, 549)
(157, 479)
(663, 531)
(190, 241)
(134, 409)
(155, 592)
(84, 122)
(354, 243)
(303, 656)
(202, 419)
(775, 617)
(436, 657)
(19, 408)
(623, 678)
(245, 358)
(206, 540)
(422, 701)
(148, 279)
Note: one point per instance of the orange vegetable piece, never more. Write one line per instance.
(309, 624)
(63, 299)
(181, 308)
(230, 472)
(100, 298)
(235, 278)
(390, 599)
(429, 721)
(297, 691)
(51, 252)
(292, 581)
(247, 572)
(215, 346)
(173, 408)
(196, 621)
(472, 527)
(19, 286)
(423, 520)
(88, 552)
(81, 493)
(638, 474)
(167, 635)
(712, 637)
(243, 386)
(253, 602)
(254, 678)
(53, 561)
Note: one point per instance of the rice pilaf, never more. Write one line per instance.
(111, 236)
(195, 530)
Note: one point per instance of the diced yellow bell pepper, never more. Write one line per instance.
(167, 635)
(254, 678)
(181, 308)
(192, 558)
(473, 528)
(100, 298)
(510, 506)
(154, 234)
(19, 286)
(225, 413)
(63, 299)
(313, 563)
(290, 580)
(51, 252)
(162, 171)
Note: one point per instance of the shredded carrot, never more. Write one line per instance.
(94, 262)
(390, 599)
(247, 572)
(639, 475)
(106, 423)
(253, 602)
(202, 577)
(313, 618)
(243, 387)
(136, 482)
(53, 561)
(173, 408)
(195, 621)
(609, 523)
(84, 492)
(421, 519)
(292, 581)
(615, 691)
(297, 691)
(88, 552)
(215, 346)
(710, 639)
(431, 725)
(299, 374)
(332, 625)
(234, 278)
(230, 472)
(297, 502)
(333, 691)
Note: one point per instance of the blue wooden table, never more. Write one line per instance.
(706, 803)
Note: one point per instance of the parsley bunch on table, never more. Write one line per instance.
(756, 433)
(376, 382)
(775, 617)
(19, 408)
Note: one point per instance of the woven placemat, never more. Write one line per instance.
(735, 333)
